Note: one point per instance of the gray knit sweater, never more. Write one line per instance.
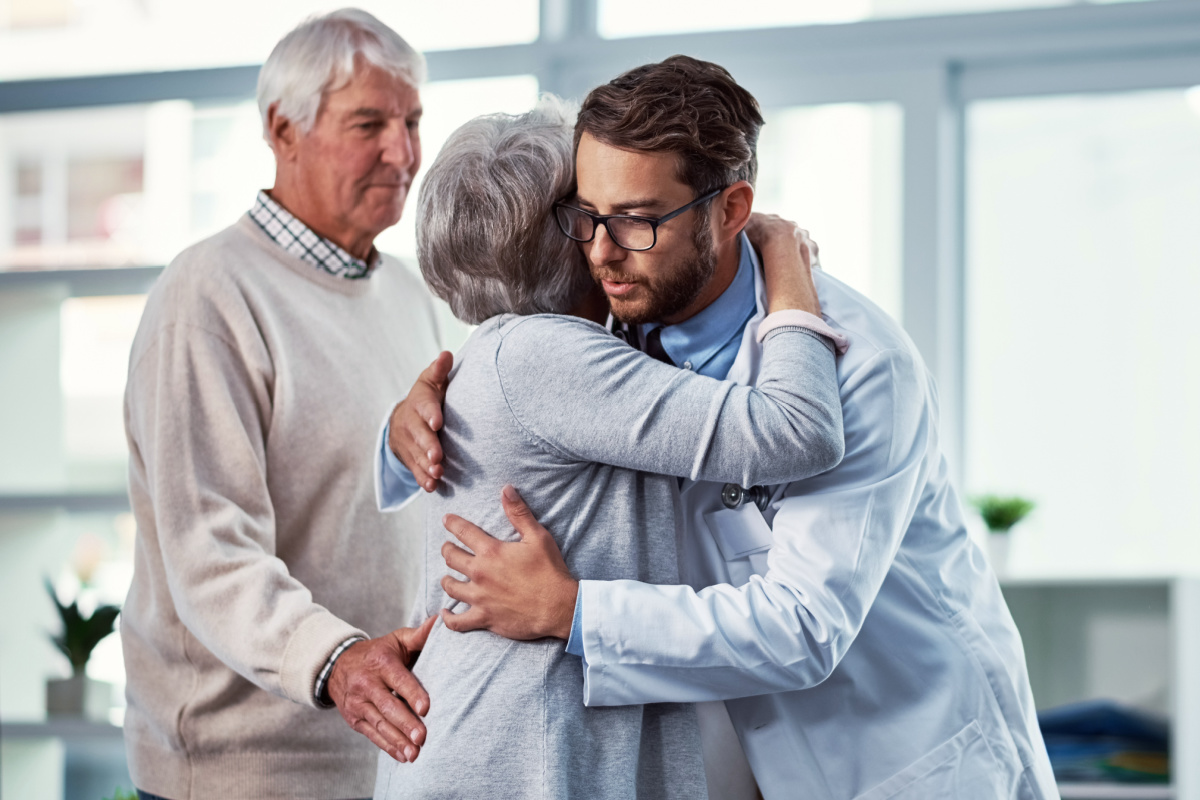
(590, 432)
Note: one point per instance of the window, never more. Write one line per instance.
(835, 170)
(1083, 272)
(77, 187)
(622, 18)
(46, 38)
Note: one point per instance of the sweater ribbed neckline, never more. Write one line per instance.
(352, 288)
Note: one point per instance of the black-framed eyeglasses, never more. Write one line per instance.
(627, 232)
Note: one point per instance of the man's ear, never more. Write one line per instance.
(731, 210)
(282, 133)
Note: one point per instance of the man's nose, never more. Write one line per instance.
(603, 250)
(399, 146)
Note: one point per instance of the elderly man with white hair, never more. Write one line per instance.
(262, 568)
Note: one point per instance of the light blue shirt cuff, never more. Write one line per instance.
(396, 484)
(575, 641)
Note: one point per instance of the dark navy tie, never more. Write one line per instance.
(654, 347)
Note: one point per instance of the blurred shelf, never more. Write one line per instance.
(1115, 791)
(66, 728)
(1083, 581)
(84, 282)
(115, 500)
(1128, 639)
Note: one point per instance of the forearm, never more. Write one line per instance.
(669, 421)
(242, 604)
(645, 644)
(789, 425)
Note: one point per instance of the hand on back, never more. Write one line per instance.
(415, 421)
(377, 695)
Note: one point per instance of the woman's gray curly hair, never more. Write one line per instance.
(487, 241)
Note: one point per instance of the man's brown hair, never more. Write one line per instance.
(681, 105)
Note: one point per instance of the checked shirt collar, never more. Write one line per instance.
(301, 241)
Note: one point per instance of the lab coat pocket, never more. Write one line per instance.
(744, 538)
(959, 768)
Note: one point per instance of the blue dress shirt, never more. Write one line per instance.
(708, 342)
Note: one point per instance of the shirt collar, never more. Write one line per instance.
(287, 231)
(707, 336)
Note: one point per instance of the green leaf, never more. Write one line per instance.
(1001, 513)
(80, 635)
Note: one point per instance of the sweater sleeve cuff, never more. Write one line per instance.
(795, 318)
(321, 690)
(307, 652)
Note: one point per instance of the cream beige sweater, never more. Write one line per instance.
(256, 384)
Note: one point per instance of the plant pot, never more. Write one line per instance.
(997, 549)
(79, 696)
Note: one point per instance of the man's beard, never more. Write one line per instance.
(677, 284)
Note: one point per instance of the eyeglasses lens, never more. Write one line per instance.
(575, 224)
(632, 234)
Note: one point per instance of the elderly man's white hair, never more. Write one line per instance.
(319, 56)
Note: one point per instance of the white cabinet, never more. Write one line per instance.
(1136, 641)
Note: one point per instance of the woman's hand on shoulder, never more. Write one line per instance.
(789, 255)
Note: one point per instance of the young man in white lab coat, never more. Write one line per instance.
(857, 636)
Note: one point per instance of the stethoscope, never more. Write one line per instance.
(734, 496)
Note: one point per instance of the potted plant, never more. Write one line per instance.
(1000, 514)
(79, 695)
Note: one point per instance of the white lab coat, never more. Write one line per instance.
(863, 631)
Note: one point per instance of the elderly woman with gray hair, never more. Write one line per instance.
(595, 434)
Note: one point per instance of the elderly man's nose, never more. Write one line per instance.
(399, 148)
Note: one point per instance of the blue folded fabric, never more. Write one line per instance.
(1106, 718)
(1100, 740)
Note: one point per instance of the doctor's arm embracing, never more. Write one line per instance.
(834, 539)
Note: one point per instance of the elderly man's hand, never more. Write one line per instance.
(518, 590)
(415, 421)
(377, 694)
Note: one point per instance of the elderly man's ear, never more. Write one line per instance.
(283, 134)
